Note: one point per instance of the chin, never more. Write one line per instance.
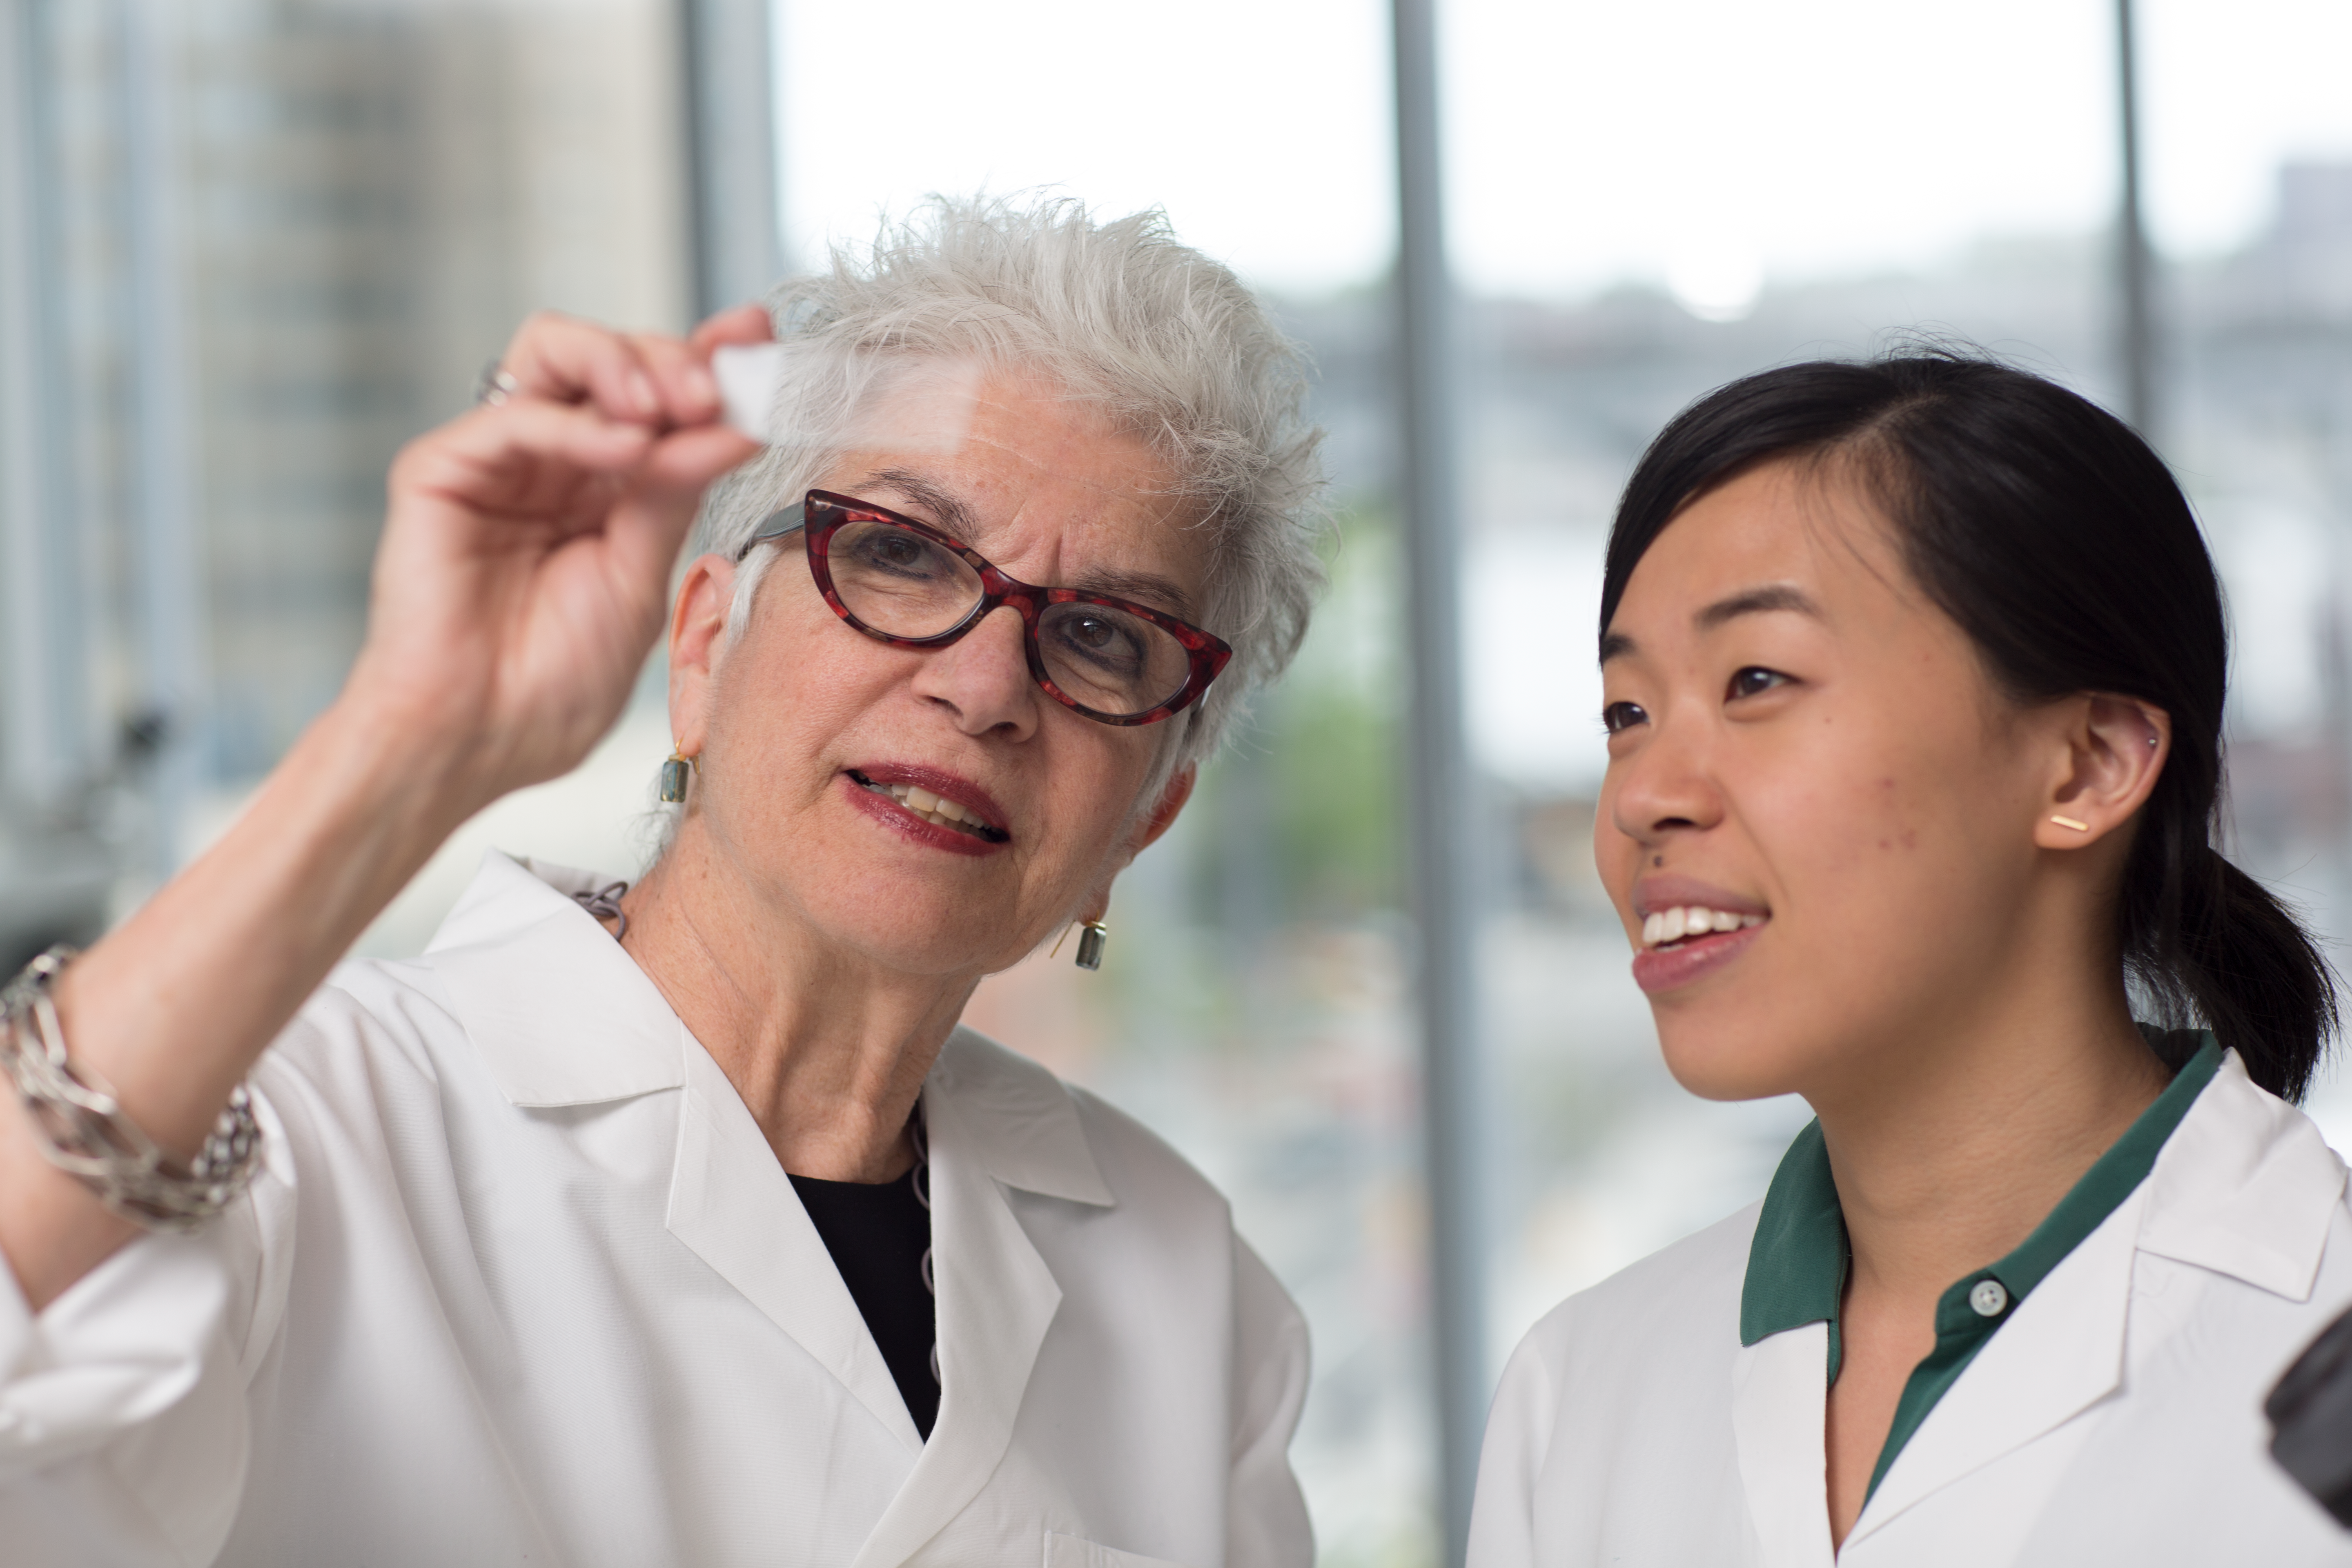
(916, 933)
(1717, 1059)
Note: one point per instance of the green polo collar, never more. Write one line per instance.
(1797, 1264)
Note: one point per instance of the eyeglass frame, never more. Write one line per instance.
(1206, 653)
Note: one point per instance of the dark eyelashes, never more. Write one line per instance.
(1752, 680)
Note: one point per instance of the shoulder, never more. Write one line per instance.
(373, 1027)
(1047, 1136)
(1614, 1386)
(1137, 1162)
(1650, 1314)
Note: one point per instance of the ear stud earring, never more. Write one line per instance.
(673, 777)
(2070, 822)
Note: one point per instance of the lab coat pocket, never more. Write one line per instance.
(1071, 1552)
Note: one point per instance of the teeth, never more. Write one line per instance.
(934, 808)
(1663, 926)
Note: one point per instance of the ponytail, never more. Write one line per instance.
(2208, 943)
(2060, 542)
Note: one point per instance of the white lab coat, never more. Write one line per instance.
(522, 1282)
(2115, 1418)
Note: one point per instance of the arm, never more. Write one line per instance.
(1266, 1525)
(1519, 1427)
(521, 577)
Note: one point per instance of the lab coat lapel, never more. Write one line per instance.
(1780, 1388)
(598, 1031)
(996, 1298)
(2061, 1353)
(732, 1204)
(606, 1033)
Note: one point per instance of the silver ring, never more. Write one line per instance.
(495, 385)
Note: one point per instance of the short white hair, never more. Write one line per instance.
(1166, 342)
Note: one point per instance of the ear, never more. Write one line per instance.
(697, 627)
(1162, 815)
(2115, 751)
(1147, 830)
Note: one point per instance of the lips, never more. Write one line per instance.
(1690, 929)
(929, 805)
(1690, 959)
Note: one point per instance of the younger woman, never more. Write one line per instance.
(1914, 676)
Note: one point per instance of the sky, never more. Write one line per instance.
(1708, 146)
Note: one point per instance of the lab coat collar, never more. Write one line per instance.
(1020, 1124)
(592, 1028)
(588, 1027)
(2244, 1186)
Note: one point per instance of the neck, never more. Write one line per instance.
(1947, 1158)
(828, 1047)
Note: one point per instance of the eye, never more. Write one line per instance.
(1111, 643)
(1754, 681)
(1620, 716)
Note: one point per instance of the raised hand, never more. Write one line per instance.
(526, 556)
(522, 576)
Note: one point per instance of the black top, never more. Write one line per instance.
(877, 1234)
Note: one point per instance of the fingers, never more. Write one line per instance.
(742, 324)
(642, 378)
(531, 456)
(509, 458)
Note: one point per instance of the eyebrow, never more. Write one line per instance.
(1775, 597)
(1755, 602)
(950, 512)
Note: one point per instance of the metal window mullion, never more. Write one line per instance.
(168, 562)
(730, 149)
(45, 745)
(2133, 262)
(1441, 783)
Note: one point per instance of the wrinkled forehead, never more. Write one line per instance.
(1015, 420)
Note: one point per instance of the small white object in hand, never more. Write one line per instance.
(915, 403)
(749, 376)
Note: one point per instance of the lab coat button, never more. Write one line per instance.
(1989, 1298)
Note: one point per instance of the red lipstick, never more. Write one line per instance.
(868, 787)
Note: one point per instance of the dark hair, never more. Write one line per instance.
(2060, 542)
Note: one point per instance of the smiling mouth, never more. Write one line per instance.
(1666, 930)
(936, 809)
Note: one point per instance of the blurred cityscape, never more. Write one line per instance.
(247, 248)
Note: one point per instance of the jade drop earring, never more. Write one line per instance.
(673, 777)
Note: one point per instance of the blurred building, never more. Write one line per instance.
(259, 244)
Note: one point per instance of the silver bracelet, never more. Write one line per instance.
(84, 1132)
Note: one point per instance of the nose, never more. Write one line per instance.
(1664, 788)
(982, 678)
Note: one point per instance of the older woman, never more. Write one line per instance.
(672, 1249)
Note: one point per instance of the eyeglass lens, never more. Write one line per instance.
(905, 585)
